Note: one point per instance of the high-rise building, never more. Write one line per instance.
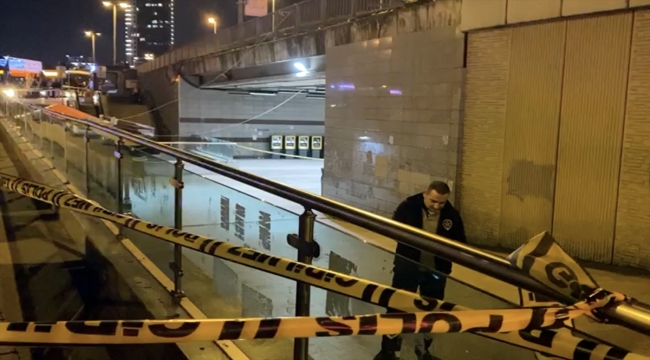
(149, 29)
(130, 33)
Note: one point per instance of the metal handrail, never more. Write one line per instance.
(633, 314)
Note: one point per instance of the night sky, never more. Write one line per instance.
(47, 30)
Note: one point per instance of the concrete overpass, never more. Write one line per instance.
(535, 115)
(262, 59)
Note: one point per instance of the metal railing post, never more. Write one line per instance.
(126, 201)
(87, 159)
(296, 16)
(40, 132)
(177, 265)
(24, 116)
(307, 250)
(51, 127)
(120, 187)
(32, 113)
(65, 147)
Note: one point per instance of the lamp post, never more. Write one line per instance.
(273, 15)
(115, 5)
(213, 21)
(92, 35)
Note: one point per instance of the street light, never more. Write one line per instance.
(9, 92)
(115, 5)
(273, 16)
(213, 21)
(92, 35)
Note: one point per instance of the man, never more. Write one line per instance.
(430, 211)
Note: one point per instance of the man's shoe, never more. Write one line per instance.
(386, 355)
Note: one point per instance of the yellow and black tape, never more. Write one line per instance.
(544, 259)
(173, 331)
(562, 345)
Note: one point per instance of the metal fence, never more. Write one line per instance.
(307, 15)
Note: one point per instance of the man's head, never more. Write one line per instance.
(436, 196)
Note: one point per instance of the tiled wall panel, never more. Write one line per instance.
(632, 241)
(484, 126)
(392, 117)
(484, 14)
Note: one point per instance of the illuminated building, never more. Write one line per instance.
(130, 33)
(149, 29)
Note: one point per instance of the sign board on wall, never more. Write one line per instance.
(290, 142)
(276, 142)
(317, 142)
(256, 8)
(303, 142)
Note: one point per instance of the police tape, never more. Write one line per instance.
(173, 331)
(562, 345)
(544, 259)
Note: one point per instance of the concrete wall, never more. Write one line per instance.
(163, 91)
(156, 76)
(237, 117)
(393, 116)
(478, 14)
(556, 136)
(207, 56)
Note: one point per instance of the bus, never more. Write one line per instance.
(19, 72)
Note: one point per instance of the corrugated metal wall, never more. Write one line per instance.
(546, 137)
(591, 128)
(532, 119)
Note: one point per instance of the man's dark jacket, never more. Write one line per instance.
(450, 225)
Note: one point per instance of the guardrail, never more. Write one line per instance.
(303, 16)
(628, 313)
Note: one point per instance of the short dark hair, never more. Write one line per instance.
(440, 187)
